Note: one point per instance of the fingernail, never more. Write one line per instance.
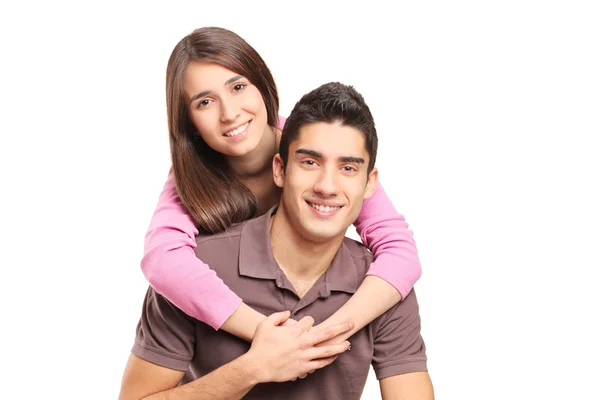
(349, 347)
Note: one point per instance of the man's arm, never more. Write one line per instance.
(277, 354)
(144, 380)
(412, 386)
(399, 357)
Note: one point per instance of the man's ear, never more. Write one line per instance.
(371, 183)
(278, 173)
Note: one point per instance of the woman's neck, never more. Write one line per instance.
(256, 162)
(264, 188)
(255, 169)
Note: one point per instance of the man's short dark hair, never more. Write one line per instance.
(330, 103)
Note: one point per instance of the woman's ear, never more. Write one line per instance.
(278, 170)
(372, 180)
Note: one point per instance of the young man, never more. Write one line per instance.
(295, 257)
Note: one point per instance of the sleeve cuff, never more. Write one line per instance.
(400, 368)
(160, 358)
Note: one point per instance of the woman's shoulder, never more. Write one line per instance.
(281, 122)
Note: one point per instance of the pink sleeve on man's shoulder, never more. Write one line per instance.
(385, 232)
(171, 267)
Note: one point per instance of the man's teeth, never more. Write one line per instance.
(324, 208)
(237, 130)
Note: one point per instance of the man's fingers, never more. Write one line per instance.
(324, 334)
(289, 322)
(305, 323)
(278, 318)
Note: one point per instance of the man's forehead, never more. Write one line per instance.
(330, 138)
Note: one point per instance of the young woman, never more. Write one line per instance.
(224, 129)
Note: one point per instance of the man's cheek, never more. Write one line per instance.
(302, 181)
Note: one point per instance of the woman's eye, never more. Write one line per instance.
(203, 103)
(238, 87)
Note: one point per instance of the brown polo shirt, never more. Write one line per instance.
(243, 258)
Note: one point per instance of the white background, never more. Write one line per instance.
(488, 115)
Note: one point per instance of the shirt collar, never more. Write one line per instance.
(257, 260)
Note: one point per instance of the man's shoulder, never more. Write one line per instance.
(232, 233)
(357, 250)
(363, 257)
(220, 248)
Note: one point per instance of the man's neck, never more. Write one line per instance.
(303, 261)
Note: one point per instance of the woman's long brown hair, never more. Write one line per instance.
(207, 188)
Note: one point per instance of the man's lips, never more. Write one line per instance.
(323, 207)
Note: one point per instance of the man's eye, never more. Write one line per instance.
(348, 168)
(309, 162)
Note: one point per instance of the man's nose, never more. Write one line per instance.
(327, 184)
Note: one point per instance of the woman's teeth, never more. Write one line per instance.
(237, 130)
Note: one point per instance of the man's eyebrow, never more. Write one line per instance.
(344, 159)
(350, 159)
(308, 152)
(227, 83)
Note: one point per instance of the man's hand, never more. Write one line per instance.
(283, 353)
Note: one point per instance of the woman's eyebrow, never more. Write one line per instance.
(204, 93)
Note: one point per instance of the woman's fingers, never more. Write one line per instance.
(327, 351)
(317, 336)
(320, 363)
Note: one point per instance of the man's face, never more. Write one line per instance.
(325, 180)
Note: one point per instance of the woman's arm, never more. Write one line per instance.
(172, 268)
(393, 273)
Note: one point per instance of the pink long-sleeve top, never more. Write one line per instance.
(172, 268)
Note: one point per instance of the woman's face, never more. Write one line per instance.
(227, 110)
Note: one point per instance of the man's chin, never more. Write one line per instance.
(322, 235)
